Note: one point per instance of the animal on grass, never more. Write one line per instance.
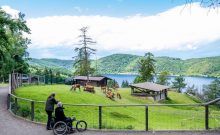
(74, 86)
(89, 88)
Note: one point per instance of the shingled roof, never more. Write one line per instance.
(91, 78)
(150, 86)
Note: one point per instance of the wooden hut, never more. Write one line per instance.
(93, 80)
(157, 91)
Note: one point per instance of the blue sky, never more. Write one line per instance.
(164, 27)
(40, 8)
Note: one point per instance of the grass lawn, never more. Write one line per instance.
(160, 117)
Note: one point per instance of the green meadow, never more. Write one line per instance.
(129, 117)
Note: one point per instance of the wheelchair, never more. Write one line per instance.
(62, 128)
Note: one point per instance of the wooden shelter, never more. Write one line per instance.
(157, 91)
(93, 80)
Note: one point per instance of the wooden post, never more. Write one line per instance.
(21, 77)
(10, 84)
(146, 118)
(28, 79)
(16, 105)
(12, 81)
(32, 110)
(132, 90)
(206, 117)
(8, 101)
(100, 117)
(160, 95)
(16, 80)
(166, 93)
(44, 80)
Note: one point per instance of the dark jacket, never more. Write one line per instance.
(51, 101)
(59, 114)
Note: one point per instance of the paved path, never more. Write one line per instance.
(9, 125)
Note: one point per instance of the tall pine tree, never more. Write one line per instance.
(146, 69)
(82, 61)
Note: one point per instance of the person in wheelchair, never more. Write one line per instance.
(60, 116)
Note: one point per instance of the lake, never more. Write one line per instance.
(197, 81)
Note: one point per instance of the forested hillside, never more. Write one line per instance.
(62, 66)
(126, 63)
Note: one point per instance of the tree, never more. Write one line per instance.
(46, 74)
(112, 83)
(82, 62)
(146, 68)
(163, 78)
(192, 90)
(125, 84)
(207, 3)
(179, 83)
(13, 44)
(51, 76)
(211, 91)
(58, 77)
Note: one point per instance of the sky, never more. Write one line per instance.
(164, 27)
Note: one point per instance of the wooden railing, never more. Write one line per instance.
(100, 109)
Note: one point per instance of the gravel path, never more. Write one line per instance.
(10, 125)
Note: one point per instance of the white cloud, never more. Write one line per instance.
(9, 10)
(171, 29)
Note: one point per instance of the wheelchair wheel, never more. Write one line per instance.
(60, 128)
(81, 126)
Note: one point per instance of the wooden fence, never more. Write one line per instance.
(205, 116)
(199, 117)
(17, 79)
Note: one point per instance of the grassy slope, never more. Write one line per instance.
(118, 117)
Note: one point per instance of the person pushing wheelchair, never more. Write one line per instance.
(49, 108)
(60, 116)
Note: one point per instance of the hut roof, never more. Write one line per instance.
(91, 78)
(150, 86)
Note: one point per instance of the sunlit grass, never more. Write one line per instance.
(160, 117)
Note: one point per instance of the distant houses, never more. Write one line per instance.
(149, 89)
(96, 81)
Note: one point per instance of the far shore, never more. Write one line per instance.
(203, 76)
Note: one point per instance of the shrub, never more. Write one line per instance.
(25, 111)
(14, 108)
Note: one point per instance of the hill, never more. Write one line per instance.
(127, 63)
(63, 66)
(46, 62)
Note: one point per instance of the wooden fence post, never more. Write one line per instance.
(10, 84)
(146, 118)
(8, 101)
(100, 117)
(32, 110)
(206, 117)
(16, 105)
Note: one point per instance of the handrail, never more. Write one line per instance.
(213, 101)
(22, 98)
(125, 105)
